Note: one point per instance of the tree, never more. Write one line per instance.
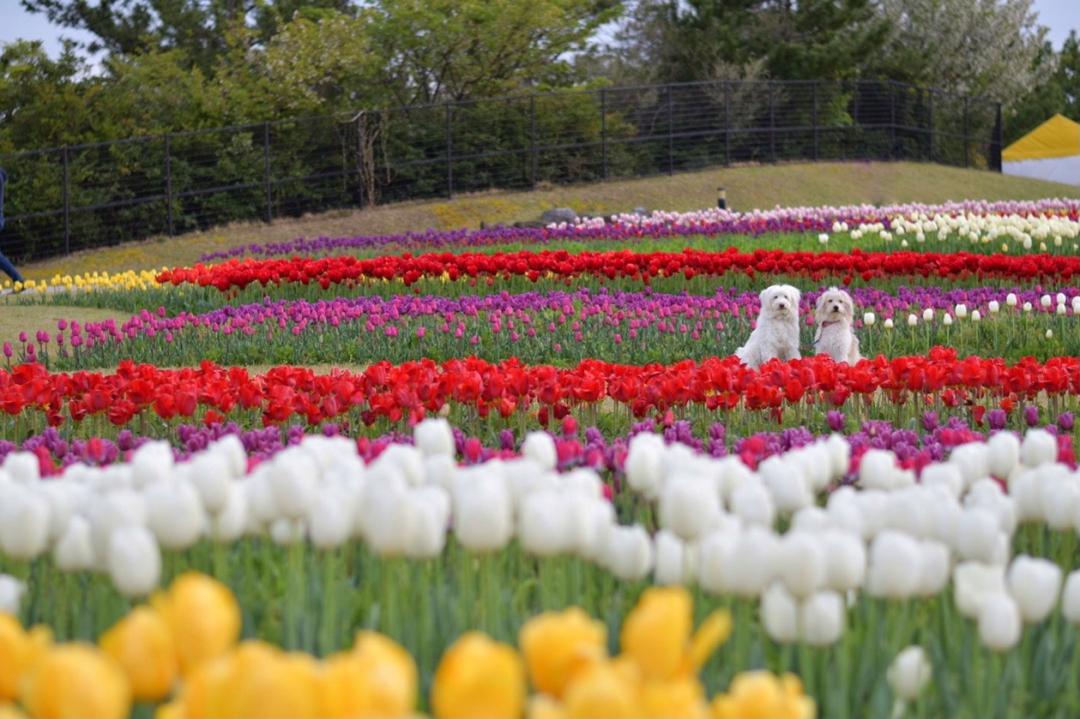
(967, 47)
(1059, 93)
(197, 27)
(42, 101)
(459, 49)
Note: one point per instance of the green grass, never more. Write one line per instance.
(747, 188)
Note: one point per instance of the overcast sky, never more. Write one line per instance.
(1059, 15)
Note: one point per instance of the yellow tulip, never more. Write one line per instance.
(541, 706)
(601, 691)
(77, 680)
(142, 644)
(682, 698)
(656, 634)
(10, 711)
(19, 653)
(478, 678)
(556, 645)
(762, 695)
(368, 683)
(203, 616)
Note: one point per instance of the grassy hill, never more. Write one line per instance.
(747, 187)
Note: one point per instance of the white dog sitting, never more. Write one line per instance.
(834, 313)
(777, 331)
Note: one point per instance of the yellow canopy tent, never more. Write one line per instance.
(1049, 152)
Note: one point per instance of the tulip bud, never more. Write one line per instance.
(780, 615)
(74, 551)
(540, 448)
(755, 561)
(1070, 598)
(1035, 584)
(912, 320)
(994, 306)
(1039, 447)
(629, 553)
(961, 311)
(928, 314)
(1045, 301)
(672, 567)
(330, 518)
(1002, 454)
(151, 462)
(947, 320)
(386, 517)
(22, 467)
(545, 523)
(1027, 307)
(972, 581)
(24, 523)
(11, 591)
(845, 560)
(839, 455)
(232, 450)
(945, 475)
(689, 506)
(716, 557)
(976, 534)
(909, 673)
(972, 460)
(801, 563)
(895, 566)
(209, 472)
(643, 464)
(1011, 300)
(999, 622)
(823, 238)
(936, 563)
(821, 618)
(430, 515)
(753, 504)
(134, 561)
(405, 459)
(483, 514)
(869, 319)
(229, 524)
(174, 513)
(293, 477)
(877, 469)
(786, 483)
(434, 437)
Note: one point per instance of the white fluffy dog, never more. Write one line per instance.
(777, 331)
(834, 313)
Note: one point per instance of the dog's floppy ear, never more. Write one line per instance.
(819, 307)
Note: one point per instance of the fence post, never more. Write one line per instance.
(534, 159)
(815, 120)
(670, 132)
(168, 185)
(67, 201)
(727, 123)
(967, 158)
(360, 159)
(772, 122)
(449, 150)
(267, 183)
(603, 133)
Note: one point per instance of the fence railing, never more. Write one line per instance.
(72, 198)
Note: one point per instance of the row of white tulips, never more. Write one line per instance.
(889, 536)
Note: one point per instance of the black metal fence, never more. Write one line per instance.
(64, 199)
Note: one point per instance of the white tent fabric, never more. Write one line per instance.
(1065, 170)
(1049, 152)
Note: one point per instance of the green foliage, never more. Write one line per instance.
(1060, 93)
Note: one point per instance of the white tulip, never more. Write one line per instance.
(976, 534)
(672, 566)
(999, 622)
(596, 519)
(823, 238)
(330, 518)
(643, 464)
(754, 562)
(821, 618)
(811, 519)
(994, 307)
(209, 472)
(1035, 584)
(439, 470)
(407, 460)
(386, 518)
(59, 497)
(732, 474)
(912, 320)
(780, 615)
(876, 469)
(972, 459)
(1039, 447)
(689, 506)
(262, 507)
(945, 475)
(972, 581)
(1027, 307)
(895, 567)
(716, 559)
(134, 561)
(151, 462)
(174, 513)
(232, 449)
(74, 551)
(1070, 598)
(545, 524)
(285, 531)
(839, 451)
(11, 592)
(987, 494)
(433, 437)
(928, 314)
(1011, 300)
(1002, 454)
(24, 523)
(22, 467)
(293, 477)
(629, 553)
(936, 564)
(1060, 501)
(845, 560)
(947, 320)
(430, 514)
(228, 525)
(786, 483)
(483, 514)
(1045, 301)
(869, 319)
(540, 448)
(888, 324)
(800, 563)
(961, 311)
(909, 673)
(845, 512)
(753, 504)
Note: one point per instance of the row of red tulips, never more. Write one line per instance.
(329, 271)
(414, 389)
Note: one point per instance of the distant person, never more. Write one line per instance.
(5, 263)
